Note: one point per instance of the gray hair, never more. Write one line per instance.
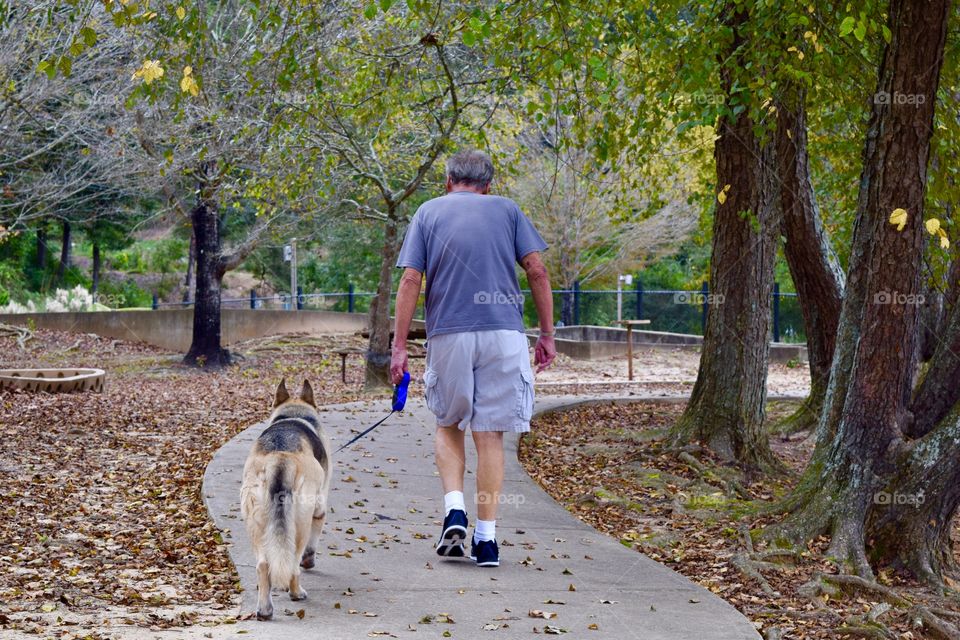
(470, 167)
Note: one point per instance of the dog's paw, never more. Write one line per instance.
(265, 614)
(298, 595)
(309, 560)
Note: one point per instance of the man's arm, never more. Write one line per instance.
(539, 280)
(407, 295)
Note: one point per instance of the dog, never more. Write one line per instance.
(283, 498)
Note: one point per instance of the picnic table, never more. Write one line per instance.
(630, 324)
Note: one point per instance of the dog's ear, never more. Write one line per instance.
(282, 394)
(307, 394)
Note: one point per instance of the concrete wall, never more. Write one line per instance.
(173, 328)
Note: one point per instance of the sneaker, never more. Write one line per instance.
(454, 534)
(485, 553)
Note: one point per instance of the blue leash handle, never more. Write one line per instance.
(399, 400)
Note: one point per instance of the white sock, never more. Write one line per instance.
(453, 500)
(486, 530)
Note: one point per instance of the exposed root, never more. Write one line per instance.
(730, 487)
(23, 334)
(850, 583)
(934, 624)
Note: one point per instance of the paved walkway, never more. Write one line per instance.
(377, 574)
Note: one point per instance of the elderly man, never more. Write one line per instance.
(478, 363)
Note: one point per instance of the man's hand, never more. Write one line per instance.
(544, 352)
(398, 363)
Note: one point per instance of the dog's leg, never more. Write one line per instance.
(308, 560)
(296, 591)
(264, 598)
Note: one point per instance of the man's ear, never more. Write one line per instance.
(306, 394)
(282, 394)
(449, 184)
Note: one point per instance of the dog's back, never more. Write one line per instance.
(284, 495)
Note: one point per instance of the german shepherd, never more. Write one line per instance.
(283, 498)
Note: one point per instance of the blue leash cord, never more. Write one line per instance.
(399, 400)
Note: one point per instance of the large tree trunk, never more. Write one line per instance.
(205, 349)
(95, 275)
(378, 352)
(64, 252)
(813, 264)
(42, 250)
(726, 409)
(866, 407)
(191, 260)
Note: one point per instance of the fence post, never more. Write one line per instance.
(776, 312)
(156, 302)
(704, 292)
(639, 286)
(350, 298)
(253, 298)
(576, 302)
(299, 297)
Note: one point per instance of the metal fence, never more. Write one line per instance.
(668, 310)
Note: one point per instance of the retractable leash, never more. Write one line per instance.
(399, 399)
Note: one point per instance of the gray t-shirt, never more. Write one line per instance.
(468, 246)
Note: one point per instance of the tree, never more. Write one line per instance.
(379, 106)
(864, 448)
(726, 408)
(814, 266)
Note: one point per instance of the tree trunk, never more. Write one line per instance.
(726, 409)
(378, 351)
(95, 275)
(64, 252)
(813, 265)
(191, 259)
(205, 349)
(42, 249)
(866, 406)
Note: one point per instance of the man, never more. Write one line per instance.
(478, 363)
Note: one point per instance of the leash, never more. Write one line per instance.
(399, 399)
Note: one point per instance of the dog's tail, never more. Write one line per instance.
(280, 539)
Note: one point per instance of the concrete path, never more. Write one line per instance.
(378, 576)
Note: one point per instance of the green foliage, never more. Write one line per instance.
(125, 293)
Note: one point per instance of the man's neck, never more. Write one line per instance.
(460, 188)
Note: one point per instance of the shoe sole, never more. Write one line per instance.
(451, 542)
(488, 563)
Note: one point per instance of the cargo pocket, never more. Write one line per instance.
(434, 401)
(525, 396)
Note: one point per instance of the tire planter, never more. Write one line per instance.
(52, 380)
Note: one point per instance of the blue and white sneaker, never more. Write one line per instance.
(485, 553)
(454, 534)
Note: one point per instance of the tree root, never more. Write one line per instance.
(23, 334)
(939, 627)
(731, 487)
(851, 583)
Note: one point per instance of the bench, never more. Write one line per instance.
(419, 352)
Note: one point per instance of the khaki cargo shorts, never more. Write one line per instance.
(481, 380)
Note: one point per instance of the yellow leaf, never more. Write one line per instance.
(899, 218)
(181, 13)
(149, 71)
(944, 242)
(188, 70)
(932, 225)
(726, 188)
(722, 197)
(47, 608)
